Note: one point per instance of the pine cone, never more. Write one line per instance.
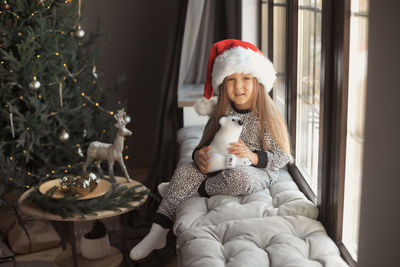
(99, 230)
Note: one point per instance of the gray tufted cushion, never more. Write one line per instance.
(294, 241)
(274, 227)
(284, 198)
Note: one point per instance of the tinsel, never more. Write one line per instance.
(12, 122)
(61, 95)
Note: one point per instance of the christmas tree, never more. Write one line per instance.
(53, 103)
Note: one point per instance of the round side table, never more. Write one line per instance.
(115, 257)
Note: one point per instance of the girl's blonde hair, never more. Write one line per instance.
(268, 115)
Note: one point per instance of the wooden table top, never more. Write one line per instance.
(34, 210)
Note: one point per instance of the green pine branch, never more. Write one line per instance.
(119, 196)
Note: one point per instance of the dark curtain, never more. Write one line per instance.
(169, 120)
(165, 152)
(228, 20)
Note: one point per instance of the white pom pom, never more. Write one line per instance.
(205, 107)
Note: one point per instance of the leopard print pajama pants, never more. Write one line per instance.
(186, 180)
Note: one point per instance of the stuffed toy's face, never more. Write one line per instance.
(231, 121)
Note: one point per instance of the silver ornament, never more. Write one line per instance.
(35, 84)
(127, 119)
(64, 136)
(66, 183)
(79, 32)
(79, 185)
(85, 184)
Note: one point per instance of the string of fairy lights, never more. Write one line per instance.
(35, 85)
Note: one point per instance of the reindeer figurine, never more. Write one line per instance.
(99, 151)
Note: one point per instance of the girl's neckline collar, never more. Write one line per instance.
(242, 111)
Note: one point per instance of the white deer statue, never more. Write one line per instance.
(99, 151)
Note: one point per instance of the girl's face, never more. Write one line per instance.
(239, 88)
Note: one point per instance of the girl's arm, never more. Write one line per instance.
(203, 142)
(276, 157)
(272, 160)
(269, 160)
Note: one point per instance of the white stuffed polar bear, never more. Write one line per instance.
(231, 128)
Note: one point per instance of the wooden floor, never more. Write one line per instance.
(46, 258)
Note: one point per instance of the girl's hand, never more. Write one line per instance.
(201, 159)
(240, 150)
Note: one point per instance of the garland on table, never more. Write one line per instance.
(119, 196)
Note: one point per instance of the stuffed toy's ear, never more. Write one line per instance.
(222, 121)
(205, 107)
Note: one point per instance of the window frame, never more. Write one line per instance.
(335, 45)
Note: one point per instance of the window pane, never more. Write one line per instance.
(355, 124)
(280, 57)
(308, 91)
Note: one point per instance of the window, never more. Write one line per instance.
(322, 76)
(355, 123)
(308, 90)
(273, 45)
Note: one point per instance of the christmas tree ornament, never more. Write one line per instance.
(64, 136)
(92, 179)
(128, 119)
(99, 151)
(94, 73)
(35, 84)
(79, 185)
(5, 5)
(66, 183)
(80, 32)
(80, 153)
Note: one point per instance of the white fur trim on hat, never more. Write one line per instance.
(204, 106)
(246, 61)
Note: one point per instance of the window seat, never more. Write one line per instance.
(273, 227)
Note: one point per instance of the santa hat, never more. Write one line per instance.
(233, 56)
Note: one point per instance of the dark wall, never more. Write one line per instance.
(380, 209)
(136, 31)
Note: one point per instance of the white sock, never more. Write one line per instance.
(155, 239)
(162, 188)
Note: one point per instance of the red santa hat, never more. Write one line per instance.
(233, 56)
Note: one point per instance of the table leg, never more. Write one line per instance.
(61, 232)
(124, 253)
(73, 244)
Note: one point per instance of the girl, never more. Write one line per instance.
(244, 77)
